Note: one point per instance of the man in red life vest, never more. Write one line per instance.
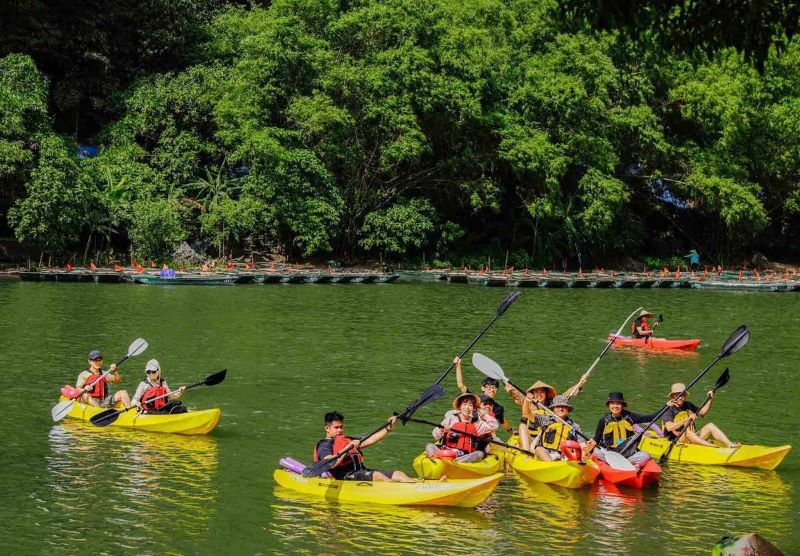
(93, 387)
(466, 418)
(154, 387)
(350, 466)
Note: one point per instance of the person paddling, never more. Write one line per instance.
(616, 425)
(489, 387)
(554, 433)
(350, 466)
(469, 417)
(154, 386)
(641, 326)
(93, 387)
(683, 415)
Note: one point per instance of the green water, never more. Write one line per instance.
(295, 352)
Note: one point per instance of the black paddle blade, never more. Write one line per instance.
(216, 378)
(723, 379)
(428, 396)
(660, 318)
(105, 418)
(737, 341)
(508, 301)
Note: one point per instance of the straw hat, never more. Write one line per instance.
(476, 401)
(676, 389)
(645, 313)
(560, 401)
(551, 392)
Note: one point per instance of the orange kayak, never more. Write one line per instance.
(646, 476)
(654, 343)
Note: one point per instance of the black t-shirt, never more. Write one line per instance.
(672, 412)
(636, 324)
(499, 411)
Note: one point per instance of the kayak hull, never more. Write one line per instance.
(747, 455)
(435, 468)
(191, 422)
(654, 343)
(567, 474)
(463, 493)
(649, 475)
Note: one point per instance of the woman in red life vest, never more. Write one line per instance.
(465, 419)
(154, 387)
(640, 327)
(93, 387)
(350, 466)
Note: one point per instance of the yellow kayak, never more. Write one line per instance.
(466, 493)
(191, 422)
(567, 474)
(746, 455)
(434, 468)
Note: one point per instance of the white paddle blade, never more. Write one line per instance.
(137, 347)
(488, 367)
(618, 461)
(62, 409)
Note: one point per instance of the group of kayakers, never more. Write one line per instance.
(467, 431)
(92, 388)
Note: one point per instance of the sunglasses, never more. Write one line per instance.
(152, 371)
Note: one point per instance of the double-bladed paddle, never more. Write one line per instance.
(62, 409)
(430, 395)
(477, 437)
(721, 381)
(504, 305)
(659, 320)
(110, 415)
(613, 339)
(492, 369)
(734, 343)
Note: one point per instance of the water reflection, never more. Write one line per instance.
(120, 482)
(299, 519)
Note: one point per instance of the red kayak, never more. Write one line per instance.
(654, 343)
(646, 476)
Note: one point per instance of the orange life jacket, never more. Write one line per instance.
(462, 442)
(643, 324)
(353, 458)
(154, 392)
(98, 384)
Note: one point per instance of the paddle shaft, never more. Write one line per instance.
(677, 439)
(613, 339)
(105, 374)
(635, 438)
(550, 412)
(500, 310)
(490, 440)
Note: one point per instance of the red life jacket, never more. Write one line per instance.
(462, 442)
(154, 392)
(98, 389)
(353, 457)
(643, 324)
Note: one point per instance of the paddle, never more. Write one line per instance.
(62, 409)
(490, 440)
(613, 339)
(721, 381)
(659, 320)
(734, 343)
(504, 305)
(110, 415)
(433, 393)
(492, 369)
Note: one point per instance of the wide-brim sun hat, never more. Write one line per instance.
(551, 392)
(645, 313)
(560, 401)
(677, 388)
(476, 401)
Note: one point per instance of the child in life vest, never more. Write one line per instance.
(148, 396)
(465, 419)
(555, 432)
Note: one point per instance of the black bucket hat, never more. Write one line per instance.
(616, 397)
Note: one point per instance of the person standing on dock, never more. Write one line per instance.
(694, 259)
(641, 327)
(93, 386)
(489, 387)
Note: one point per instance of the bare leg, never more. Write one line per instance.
(123, 398)
(472, 457)
(524, 436)
(397, 476)
(431, 449)
(694, 438)
(542, 453)
(712, 430)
